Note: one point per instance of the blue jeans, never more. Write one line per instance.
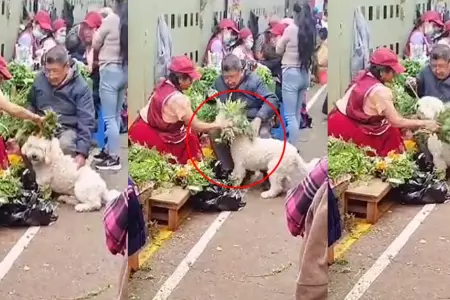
(113, 85)
(293, 88)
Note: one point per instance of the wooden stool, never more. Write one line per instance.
(133, 263)
(331, 255)
(170, 207)
(145, 194)
(367, 200)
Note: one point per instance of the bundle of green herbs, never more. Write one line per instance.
(49, 129)
(444, 120)
(234, 111)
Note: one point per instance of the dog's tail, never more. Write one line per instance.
(109, 195)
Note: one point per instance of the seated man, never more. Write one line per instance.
(434, 79)
(236, 77)
(61, 88)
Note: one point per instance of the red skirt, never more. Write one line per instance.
(141, 133)
(4, 162)
(340, 126)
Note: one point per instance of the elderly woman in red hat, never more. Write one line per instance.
(162, 123)
(60, 31)
(12, 109)
(366, 114)
(43, 33)
(220, 42)
(244, 45)
(422, 34)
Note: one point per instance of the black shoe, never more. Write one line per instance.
(109, 163)
(101, 156)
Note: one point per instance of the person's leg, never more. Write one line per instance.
(67, 141)
(111, 78)
(222, 152)
(290, 92)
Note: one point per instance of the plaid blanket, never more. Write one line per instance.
(299, 199)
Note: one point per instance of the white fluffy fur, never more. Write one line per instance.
(264, 154)
(429, 108)
(83, 188)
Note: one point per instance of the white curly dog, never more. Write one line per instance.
(429, 108)
(83, 188)
(263, 155)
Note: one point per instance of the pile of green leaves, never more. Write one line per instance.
(148, 165)
(413, 68)
(266, 76)
(405, 104)
(400, 170)
(348, 159)
(234, 111)
(9, 187)
(48, 131)
(21, 81)
(444, 120)
(188, 177)
(200, 91)
(84, 72)
(208, 111)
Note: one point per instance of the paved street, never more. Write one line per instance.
(251, 256)
(65, 261)
(418, 270)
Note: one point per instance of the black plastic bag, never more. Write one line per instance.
(215, 198)
(422, 189)
(28, 208)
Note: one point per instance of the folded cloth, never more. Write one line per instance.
(116, 224)
(299, 199)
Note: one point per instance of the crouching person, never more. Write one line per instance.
(59, 87)
(236, 77)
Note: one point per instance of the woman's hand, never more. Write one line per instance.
(224, 124)
(431, 125)
(38, 120)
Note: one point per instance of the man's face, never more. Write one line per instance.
(440, 68)
(232, 78)
(56, 73)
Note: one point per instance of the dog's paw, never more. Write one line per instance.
(268, 194)
(71, 200)
(83, 207)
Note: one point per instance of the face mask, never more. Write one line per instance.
(38, 34)
(227, 36)
(249, 44)
(429, 30)
(60, 39)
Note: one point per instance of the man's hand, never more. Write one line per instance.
(80, 160)
(256, 125)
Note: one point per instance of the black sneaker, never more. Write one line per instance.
(109, 163)
(101, 156)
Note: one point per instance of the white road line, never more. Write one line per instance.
(16, 250)
(315, 97)
(183, 268)
(386, 257)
